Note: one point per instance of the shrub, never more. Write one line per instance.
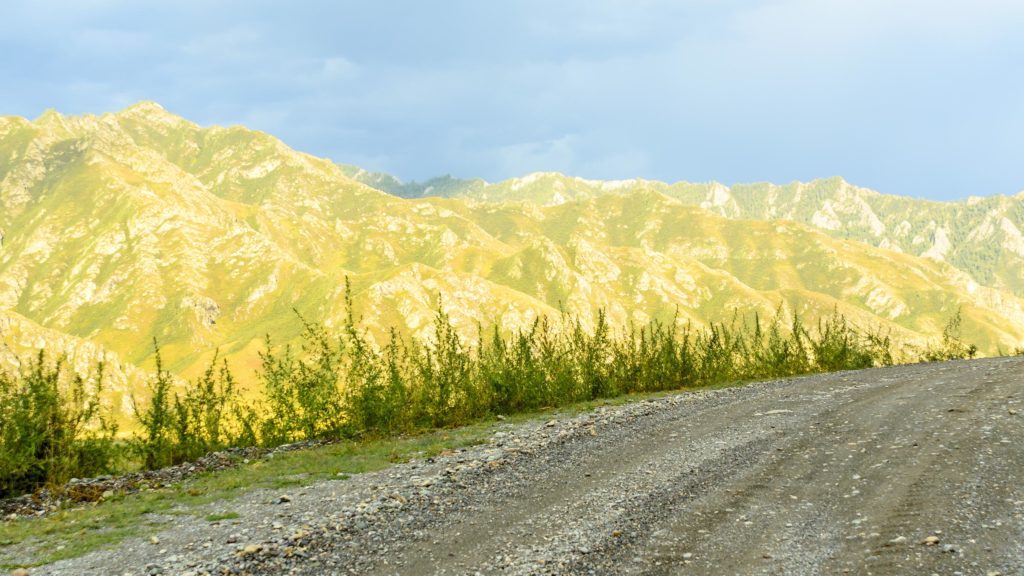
(303, 397)
(155, 445)
(201, 415)
(951, 347)
(447, 393)
(838, 346)
(52, 426)
(774, 353)
(207, 416)
(376, 393)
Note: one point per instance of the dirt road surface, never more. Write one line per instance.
(907, 470)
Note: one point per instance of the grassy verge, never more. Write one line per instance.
(79, 530)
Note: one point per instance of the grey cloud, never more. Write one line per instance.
(912, 97)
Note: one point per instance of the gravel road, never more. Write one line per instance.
(907, 470)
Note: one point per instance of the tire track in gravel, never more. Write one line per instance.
(709, 458)
(808, 494)
(587, 512)
(803, 505)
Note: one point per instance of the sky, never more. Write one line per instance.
(911, 97)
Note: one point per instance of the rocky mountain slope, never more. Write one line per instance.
(980, 235)
(124, 227)
(21, 339)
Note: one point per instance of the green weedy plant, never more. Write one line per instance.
(951, 347)
(636, 363)
(499, 370)
(155, 446)
(397, 414)
(512, 370)
(88, 443)
(375, 385)
(716, 353)
(246, 419)
(277, 369)
(881, 348)
(447, 394)
(52, 427)
(802, 360)
(345, 386)
(589, 354)
(838, 346)
(318, 380)
(670, 364)
(201, 415)
(772, 353)
(628, 352)
(553, 360)
(303, 395)
(666, 359)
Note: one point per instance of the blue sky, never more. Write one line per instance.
(911, 97)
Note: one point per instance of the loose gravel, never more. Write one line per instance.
(906, 470)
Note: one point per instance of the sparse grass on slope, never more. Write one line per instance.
(76, 531)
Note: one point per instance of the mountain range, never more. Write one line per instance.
(119, 228)
(980, 235)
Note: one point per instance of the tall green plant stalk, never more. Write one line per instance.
(155, 442)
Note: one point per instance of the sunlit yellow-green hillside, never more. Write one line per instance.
(125, 227)
(980, 235)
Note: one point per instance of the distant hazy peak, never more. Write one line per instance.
(150, 111)
(49, 116)
(147, 107)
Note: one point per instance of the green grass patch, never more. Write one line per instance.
(76, 531)
(222, 516)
